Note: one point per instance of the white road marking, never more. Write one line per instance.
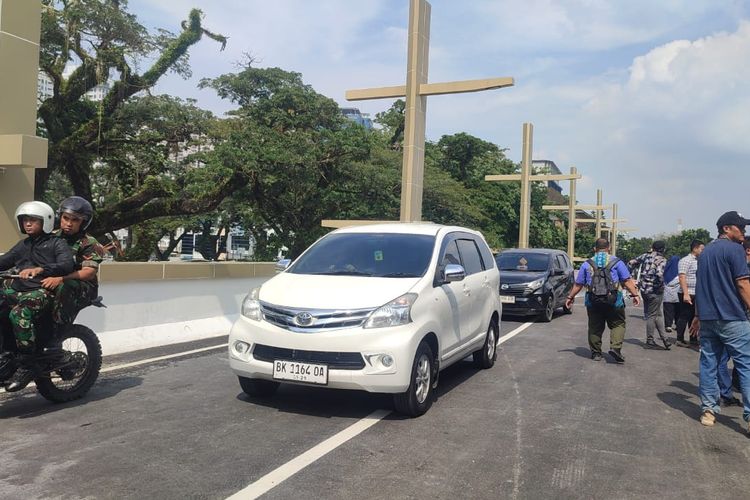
(513, 333)
(284, 472)
(146, 361)
(162, 358)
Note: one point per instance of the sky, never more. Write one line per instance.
(649, 100)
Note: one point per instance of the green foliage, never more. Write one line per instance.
(296, 149)
(89, 141)
(676, 244)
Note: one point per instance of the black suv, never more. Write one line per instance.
(534, 281)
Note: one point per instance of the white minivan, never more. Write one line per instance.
(381, 308)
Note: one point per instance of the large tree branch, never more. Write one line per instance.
(154, 200)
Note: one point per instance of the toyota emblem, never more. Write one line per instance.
(504, 286)
(303, 319)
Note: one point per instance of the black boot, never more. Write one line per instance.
(21, 379)
(617, 355)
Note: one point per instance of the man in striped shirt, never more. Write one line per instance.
(686, 296)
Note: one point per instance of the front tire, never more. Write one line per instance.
(258, 388)
(485, 357)
(418, 397)
(549, 310)
(83, 352)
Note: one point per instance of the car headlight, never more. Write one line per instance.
(394, 313)
(535, 284)
(251, 306)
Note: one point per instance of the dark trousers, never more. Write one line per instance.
(601, 316)
(670, 313)
(685, 315)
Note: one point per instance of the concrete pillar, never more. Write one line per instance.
(20, 150)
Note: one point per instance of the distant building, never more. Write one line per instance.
(356, 116)
(44, 87)
(548, 167)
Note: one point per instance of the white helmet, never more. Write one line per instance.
(39, 210)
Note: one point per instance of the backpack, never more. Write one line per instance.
(603, 291)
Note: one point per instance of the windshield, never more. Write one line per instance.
(517, 261)
(384, 255)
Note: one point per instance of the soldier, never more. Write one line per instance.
(78, 289)
(41, 255)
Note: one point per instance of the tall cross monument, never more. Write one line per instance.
(526, 177)
(20, 149)
(416, 91)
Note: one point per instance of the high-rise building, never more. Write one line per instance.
(355, 115)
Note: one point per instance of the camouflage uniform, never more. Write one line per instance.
(24, 309)
(25, 300)
(73, 295)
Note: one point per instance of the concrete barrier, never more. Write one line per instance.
(160, 303)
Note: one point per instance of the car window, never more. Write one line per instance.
(522, 261)
(487, 259)
(389, 255)
(561, 264)
(450, 255)
(470, 256)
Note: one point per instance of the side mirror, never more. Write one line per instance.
(282, 265)
(454, 272)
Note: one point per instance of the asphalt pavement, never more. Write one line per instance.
(545, 422)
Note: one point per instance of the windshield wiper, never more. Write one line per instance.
(344, 273)
(399, 275)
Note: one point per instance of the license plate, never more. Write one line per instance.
(507, 299)
(300, 372)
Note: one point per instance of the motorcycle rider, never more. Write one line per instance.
(38, 256)
(78, 289)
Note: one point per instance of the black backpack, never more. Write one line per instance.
(603, 291)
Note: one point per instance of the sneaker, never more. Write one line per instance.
(617, 355)
(20, 379)
(650, 344)
(596, 356)
(708, 418)
(732, 401)
(668, 329)
(682, 343)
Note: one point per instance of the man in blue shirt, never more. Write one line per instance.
(612, 314)
(722, 293)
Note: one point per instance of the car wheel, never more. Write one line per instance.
(418, 397)
(549, 309)
(485, 357)
(258, 388)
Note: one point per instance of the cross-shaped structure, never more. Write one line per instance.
(526, 179)
(20, 149)
(416, 91)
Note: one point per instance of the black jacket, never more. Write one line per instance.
(46, 251)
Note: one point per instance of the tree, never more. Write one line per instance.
(107, 41)
(297, 149)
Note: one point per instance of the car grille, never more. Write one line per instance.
(313, 320)
(335, 360)
(516, 290)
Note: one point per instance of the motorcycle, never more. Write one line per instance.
(67, 358)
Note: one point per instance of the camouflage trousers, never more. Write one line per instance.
(23, 308)
(70, 297)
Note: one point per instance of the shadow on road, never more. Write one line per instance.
(578, 351)
(29, 404)
(328, 403)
